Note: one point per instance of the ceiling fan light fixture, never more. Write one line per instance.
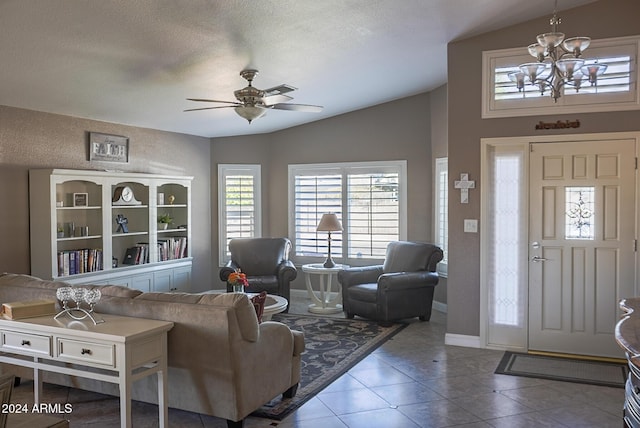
(253, 103)
(250, 112)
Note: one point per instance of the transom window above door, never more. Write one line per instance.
(615, 90)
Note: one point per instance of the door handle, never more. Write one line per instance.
(537, 259)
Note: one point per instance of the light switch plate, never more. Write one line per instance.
(471, 225)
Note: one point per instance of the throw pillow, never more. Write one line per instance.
(258, 304)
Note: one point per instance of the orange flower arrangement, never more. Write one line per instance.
(238, 278)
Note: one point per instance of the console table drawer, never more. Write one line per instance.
(26, 343)
(86, 352)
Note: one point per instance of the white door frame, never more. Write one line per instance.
(523, 142)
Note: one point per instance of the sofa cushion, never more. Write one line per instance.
(403, 256)
(27, 281)
(171, 297)
(259, 256)
(364, 292)
(116, 290)
(21, 280)
(243, 308)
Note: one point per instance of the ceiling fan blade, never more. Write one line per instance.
(276, 99)
(298, 107)
(208, 108)
(213, 101)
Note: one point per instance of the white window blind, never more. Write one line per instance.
(617, 78)
(374, 218)
(239, 204)
(442, 211)
(368, 199)
(314, 196)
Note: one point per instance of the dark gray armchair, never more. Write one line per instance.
(266, 263)
(400, 288)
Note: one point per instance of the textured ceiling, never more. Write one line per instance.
(136, 62)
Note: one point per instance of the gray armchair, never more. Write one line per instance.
(266, 263)
(400, 288)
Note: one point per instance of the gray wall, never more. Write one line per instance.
(439, 149)
(30, 139)
(599, 20)
(392, 131)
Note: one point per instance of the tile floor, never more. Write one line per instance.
(413, 380)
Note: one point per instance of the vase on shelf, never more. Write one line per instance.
(162, 226)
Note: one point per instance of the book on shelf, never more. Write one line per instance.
(137, 255)
(172, 248)
(73, 262)
(28, 309)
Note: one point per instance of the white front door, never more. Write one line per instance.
(581, 244)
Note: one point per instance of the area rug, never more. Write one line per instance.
(332, 347)
(591, 372)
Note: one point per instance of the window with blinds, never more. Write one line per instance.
(238, 205)
(374, 213)
(368, 199)
(616, 89)
(441, 216)
(617, 78)
(314, 196)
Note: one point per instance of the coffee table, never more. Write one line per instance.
(274, 304)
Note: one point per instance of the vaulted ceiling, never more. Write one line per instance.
(136, 62)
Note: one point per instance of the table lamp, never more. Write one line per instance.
(329, 223)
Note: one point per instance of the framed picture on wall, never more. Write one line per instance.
(110, 148)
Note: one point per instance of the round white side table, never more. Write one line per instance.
(325, 301)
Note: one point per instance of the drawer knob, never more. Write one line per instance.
(85, 351)
(26, 343)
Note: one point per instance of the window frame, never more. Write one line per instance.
(345, 169)
(567, 103)
(227, 170)
(441, 165)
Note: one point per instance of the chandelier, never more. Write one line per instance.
(559, 63)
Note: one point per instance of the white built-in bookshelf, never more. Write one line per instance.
(96, 227)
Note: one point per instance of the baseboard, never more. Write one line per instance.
(462, 340)
(299, 293)
(439, 306)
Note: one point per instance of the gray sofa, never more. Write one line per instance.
(221, 361)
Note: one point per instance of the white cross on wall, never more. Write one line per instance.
(464, 185)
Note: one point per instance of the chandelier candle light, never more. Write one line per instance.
(559, 62)
(329, 223)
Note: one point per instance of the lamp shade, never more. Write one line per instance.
(329, 223)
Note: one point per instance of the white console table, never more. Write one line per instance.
(127, 349)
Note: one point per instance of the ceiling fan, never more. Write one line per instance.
(253, 102)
